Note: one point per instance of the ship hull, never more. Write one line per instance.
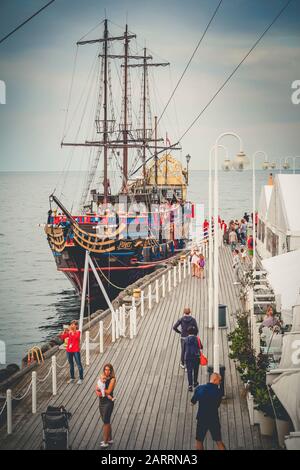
(117, 270)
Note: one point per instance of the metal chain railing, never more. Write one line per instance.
(25, 394)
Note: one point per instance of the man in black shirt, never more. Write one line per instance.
(185, 322)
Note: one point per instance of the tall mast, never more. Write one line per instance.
(105, 114)
(125, 136)
(144, 116)
(155, 151)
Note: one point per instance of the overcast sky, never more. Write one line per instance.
(36, 64)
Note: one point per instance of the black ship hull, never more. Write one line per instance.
(117, 270)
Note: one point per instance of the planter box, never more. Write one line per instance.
(283, 429)
(267, 424)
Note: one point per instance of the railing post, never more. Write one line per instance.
(33, 390)
(150, 296)
(101, 337)
(54, 380)
(124, 319)
(131, 323)
(189, 266)
(174, 276)
(156, 291)
(133, 301)
(9, 411)
(179, 272)
(142, 303)
(184, 268)
(134, 321)
(117, 324)
(163, 286)
(113, 327)
(169, 281)
(87, 348)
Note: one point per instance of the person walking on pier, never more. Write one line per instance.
(184, 322)
(201, 266)
(192, 351)
(106, 404)
(209, 397)
(233, 240)
(73, 350)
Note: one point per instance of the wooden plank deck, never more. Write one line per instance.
(152, 408)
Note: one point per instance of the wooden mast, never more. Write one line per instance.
(125, 135)
(105, 163)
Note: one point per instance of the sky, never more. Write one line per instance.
(36, 64)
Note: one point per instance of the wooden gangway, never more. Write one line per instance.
(152, 408)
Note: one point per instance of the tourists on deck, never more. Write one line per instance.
(192, 350)
(243, 255)
(236, 265)
(209, 397)
(233, 240)
(243, 232)
(246, 217)
(237, 230)
(106, 404)
(73, 350)
(184, 322)
(250, 246)
(195, 263)
(270, 319)
(201, 266)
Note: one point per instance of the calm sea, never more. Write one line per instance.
(35, 299)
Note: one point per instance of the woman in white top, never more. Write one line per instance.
(195, 263)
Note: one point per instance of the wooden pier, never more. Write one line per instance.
(152, 408)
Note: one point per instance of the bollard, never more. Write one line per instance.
(87, 348)
(142, 303)
(113, 327)
(9, 411)
(174, 277)
(163, 285)
(150, 296)
(169, 281)
(134, 321)
(184, 268)
(101, 348)
(33, 390)
(54, 381)
(179, 272)
(131, 323)
(156, 291)
(117, 323)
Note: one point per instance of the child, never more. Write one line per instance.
(243, 256)
(101, 387)
(201, 266)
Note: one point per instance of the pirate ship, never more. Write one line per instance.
(144, 222)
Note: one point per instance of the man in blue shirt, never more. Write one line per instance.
(209, 397)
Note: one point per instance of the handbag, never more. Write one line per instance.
(203, 360)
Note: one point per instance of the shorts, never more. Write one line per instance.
(106, 407)
(213, 427)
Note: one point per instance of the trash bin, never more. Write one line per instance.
(222, 316)
(210, 370)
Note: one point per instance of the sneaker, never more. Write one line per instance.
(111, 442)
(79, 382)
(196, 385)
(190, 388)
(104, 444)
(70, 381)
(182, 365)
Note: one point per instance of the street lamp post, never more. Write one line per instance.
(286, 165)
(210, 237)
(216, 251)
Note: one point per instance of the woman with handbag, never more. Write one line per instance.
(192, 354)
